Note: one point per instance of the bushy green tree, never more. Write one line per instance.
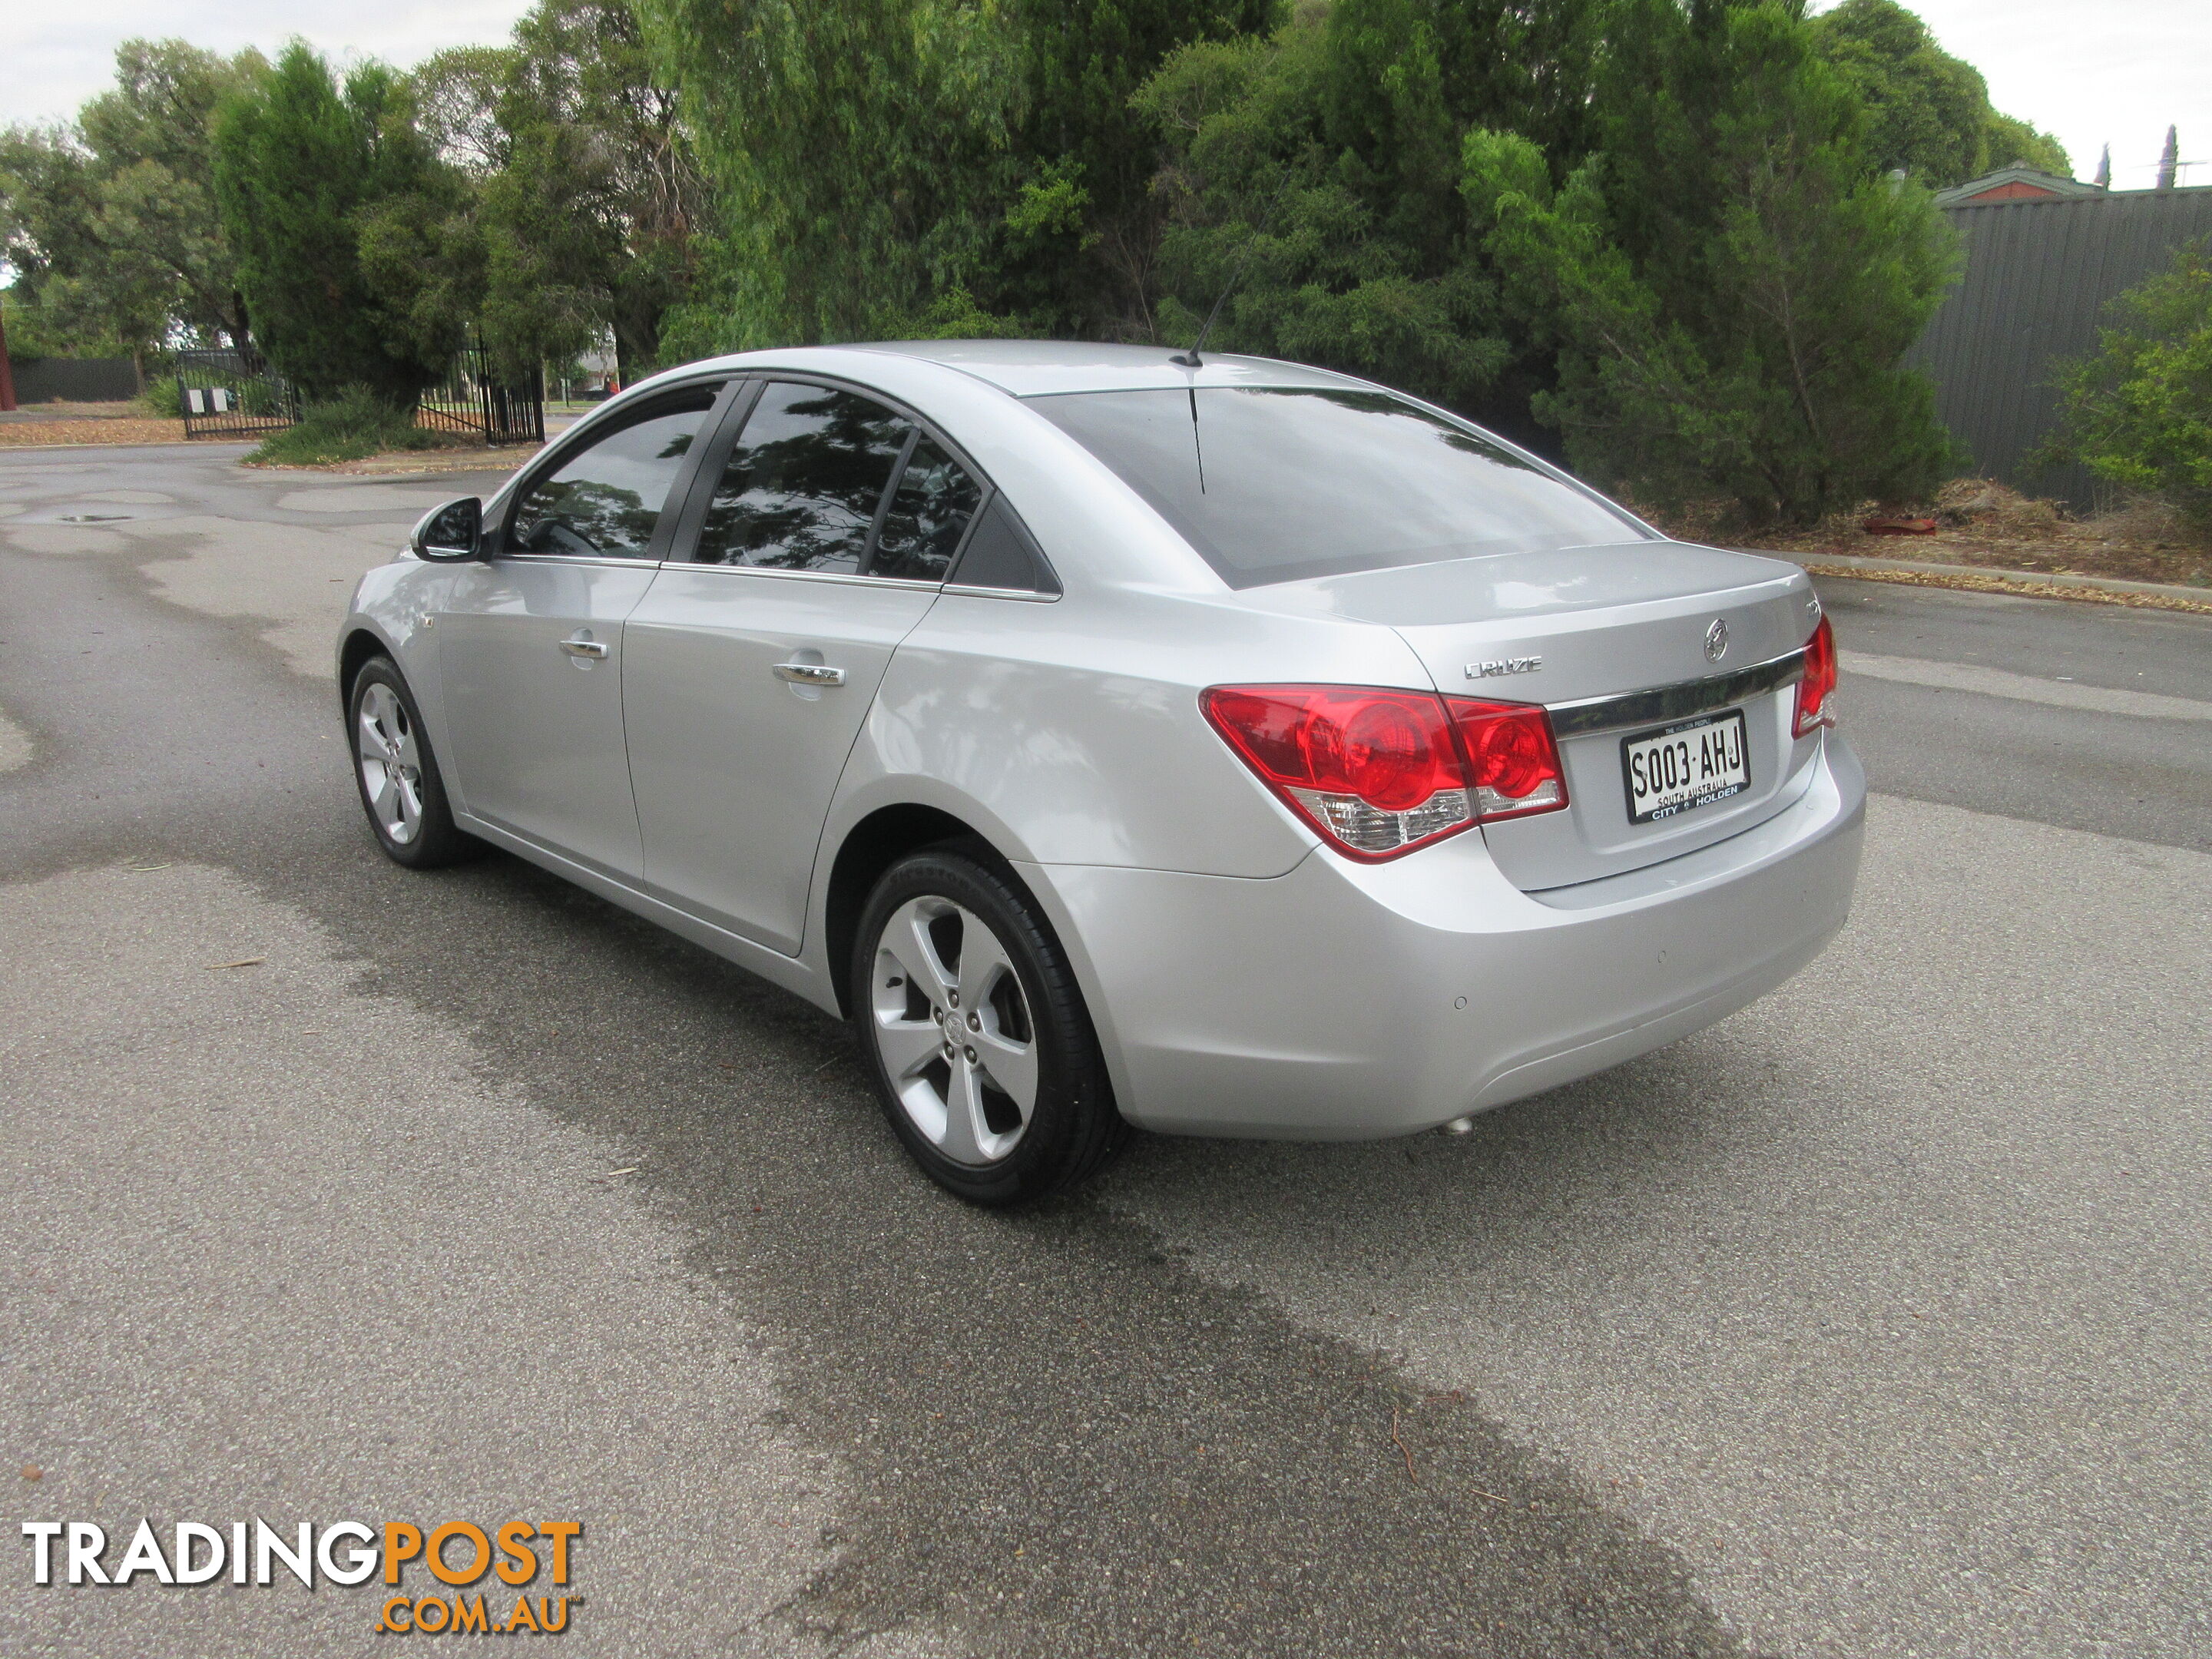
(860, 152)
(86, 297)
(1322, 162)
(593, 212)
(1077, 252)
(2138, 410)
(871, 158)
(1927, 112)
(1728, 280)
(110, 223)
(355, 244)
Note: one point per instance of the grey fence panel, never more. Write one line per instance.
(2038, 277)
(73, 379)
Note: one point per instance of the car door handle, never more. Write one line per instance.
(579, 645)
(809, 673)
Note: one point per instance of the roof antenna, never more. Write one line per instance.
(1191, 358)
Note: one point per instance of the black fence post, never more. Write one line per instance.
(472, 399)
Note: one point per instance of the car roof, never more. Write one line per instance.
(1035, 368)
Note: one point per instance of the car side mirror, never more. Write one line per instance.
(450, 534)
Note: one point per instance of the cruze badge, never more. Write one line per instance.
(1497, 665)
(1717, 641)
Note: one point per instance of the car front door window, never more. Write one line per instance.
(604, 501)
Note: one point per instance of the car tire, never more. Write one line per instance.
(397, 774)
(975, 1033)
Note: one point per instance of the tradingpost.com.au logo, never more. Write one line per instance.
(458, 1553)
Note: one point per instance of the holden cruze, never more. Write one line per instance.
(1229, 748)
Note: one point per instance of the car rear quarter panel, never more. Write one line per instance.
(1069, 732)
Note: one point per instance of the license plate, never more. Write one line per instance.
(1686, 766)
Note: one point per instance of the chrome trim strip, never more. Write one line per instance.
(1673, 702)
(970, 591)
(597, 562)
(849, 578)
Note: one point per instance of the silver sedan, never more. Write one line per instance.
(1230, 749)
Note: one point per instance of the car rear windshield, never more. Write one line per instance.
(1278, 484)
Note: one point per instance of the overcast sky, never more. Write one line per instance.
(2093, 73)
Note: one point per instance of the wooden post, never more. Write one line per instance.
(7, 373)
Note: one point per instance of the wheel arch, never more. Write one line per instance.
(872, 846)
(359, 646)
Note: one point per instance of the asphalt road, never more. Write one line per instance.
(1870, 1322)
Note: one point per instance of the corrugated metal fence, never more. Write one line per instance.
(2036, 279)
(78, 379)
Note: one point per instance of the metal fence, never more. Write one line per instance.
(476, 400)
(74, 380)
(233, 394)
(2038, 275)
(236, 394)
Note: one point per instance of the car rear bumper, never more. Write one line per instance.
(1346, 1001)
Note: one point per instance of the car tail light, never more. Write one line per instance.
(1381, 772)
(1511, 760)
(1816, 700)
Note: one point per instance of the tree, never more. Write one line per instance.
(457, 94)
(876, 160)
(860, 151)
(1927, 112)
(78, 294)
(356, 247)
(2137, 411)
(1324, 162)
(111, 223)
(1729, 282)
(1080, 239)
(595, 203)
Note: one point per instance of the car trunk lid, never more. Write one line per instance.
(1582, 630)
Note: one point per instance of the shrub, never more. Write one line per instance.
(352, 426)
(2137, 411)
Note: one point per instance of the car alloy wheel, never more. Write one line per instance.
(396, 772)
(391, 763)
(953, 1028)
(977, 1041)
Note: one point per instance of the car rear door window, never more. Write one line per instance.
(606, 501)
(1277, 484)
(928, 514)
(805, 482)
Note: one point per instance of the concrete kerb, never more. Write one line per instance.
(2104, 590)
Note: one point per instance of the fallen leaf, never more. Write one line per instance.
(32, 1472)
